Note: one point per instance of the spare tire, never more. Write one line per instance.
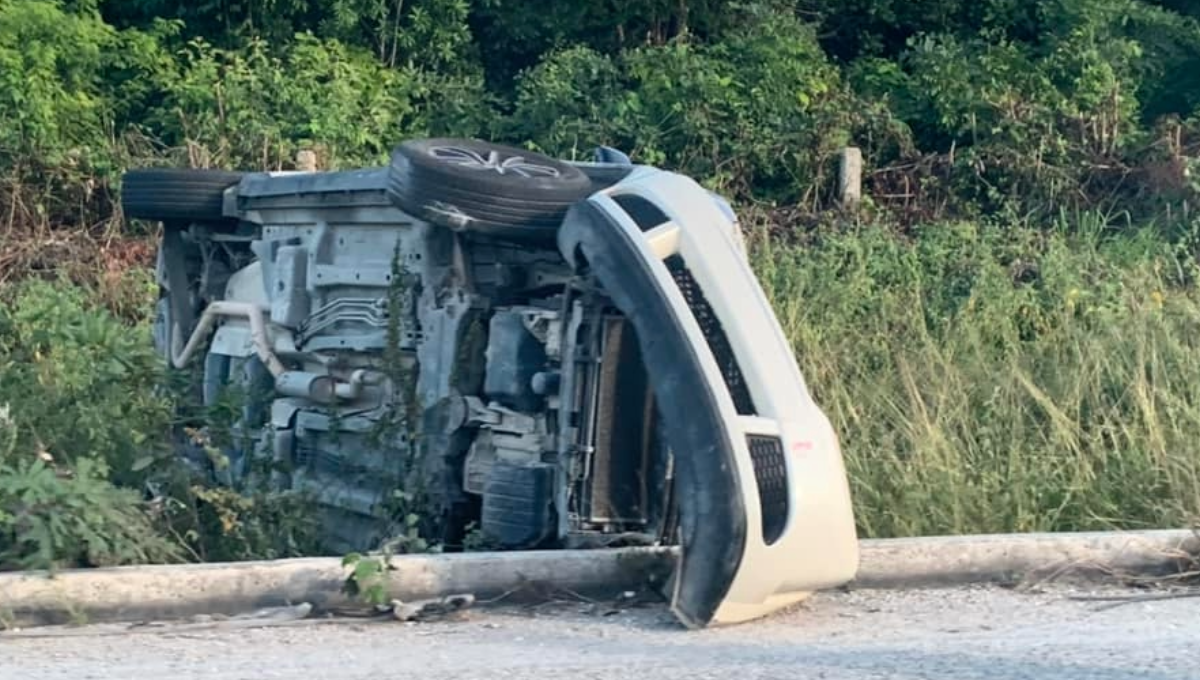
(480, 187)
(176, 194)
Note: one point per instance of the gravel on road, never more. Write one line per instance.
(959, 634)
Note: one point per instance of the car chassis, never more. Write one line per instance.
(524, 352)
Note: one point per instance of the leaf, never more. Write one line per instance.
(375, 594)
(365, 569)
(142, 463)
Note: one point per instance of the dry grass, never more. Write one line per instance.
(114, 267)
(65, 224)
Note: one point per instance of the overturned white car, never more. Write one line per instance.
(536, 353)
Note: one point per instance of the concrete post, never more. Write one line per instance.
(850, 177)
(306, 160)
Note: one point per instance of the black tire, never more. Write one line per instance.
(176, 195)
(480, 187)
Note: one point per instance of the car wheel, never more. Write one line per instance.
(176, 195)
(484, 188)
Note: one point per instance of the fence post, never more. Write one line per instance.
(850, 177)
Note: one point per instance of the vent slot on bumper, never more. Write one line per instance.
(770, 473)
(714, 335)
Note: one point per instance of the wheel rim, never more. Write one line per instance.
(494, 161)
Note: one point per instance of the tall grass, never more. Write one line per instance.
(992, 378)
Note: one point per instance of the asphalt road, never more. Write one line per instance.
(956, 634)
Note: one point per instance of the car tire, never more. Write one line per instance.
(484, 188)
(172, 195)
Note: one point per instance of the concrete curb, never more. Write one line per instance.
(180, 591)
(1009, 558)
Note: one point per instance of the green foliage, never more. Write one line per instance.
(254, 108)
(406, 535)
(429, 33)
(568, 101)
(474, 540)
(225, 525)
(367, 578)
(762, 109)
(51, 517)
(77, 388)
(84, 426)
(757, 110)
(883, 28)
(1032, 106)
(50, 61)
(1169, 73)
(64, 75)
(66, 79)
(79, 383)
(518, 34)
(1032, 126)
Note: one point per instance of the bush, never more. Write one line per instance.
(1062, 109)
(759, 113)
(85, 434)
(1033, 130)
(253, 109)
(220, 524)
(79, 413)
(426, 33)
(50, 63)
(66, 79)
(53, 517)
(568, 103)
(80, 384)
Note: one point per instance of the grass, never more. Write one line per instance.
(989, 378)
